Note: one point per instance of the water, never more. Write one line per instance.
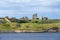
(29, 36)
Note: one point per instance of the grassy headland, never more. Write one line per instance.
(37, 25)
(26, 24)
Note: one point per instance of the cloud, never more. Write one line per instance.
(7, 12)
(16, 1)
(29, 6)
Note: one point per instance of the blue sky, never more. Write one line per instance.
(20, 8)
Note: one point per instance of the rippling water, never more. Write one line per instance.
(29, 36)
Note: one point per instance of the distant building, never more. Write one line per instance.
(13, 19)
(44, 18)
(34, 16)
(24, 18)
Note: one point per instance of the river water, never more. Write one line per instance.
(29, 36)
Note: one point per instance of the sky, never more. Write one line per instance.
(20, 8)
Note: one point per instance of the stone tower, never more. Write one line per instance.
(35, 16)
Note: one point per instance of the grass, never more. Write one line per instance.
(39, 26)
(36, 26)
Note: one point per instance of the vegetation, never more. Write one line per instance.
(34, 24)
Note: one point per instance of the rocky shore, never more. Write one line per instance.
(50, 30)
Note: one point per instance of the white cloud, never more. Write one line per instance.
(16, 1)
(25, 4)
(44, 2)
(7, 11)
(28, 2)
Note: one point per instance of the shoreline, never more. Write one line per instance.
(29, 32)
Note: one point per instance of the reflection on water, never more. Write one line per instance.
(30, 36)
